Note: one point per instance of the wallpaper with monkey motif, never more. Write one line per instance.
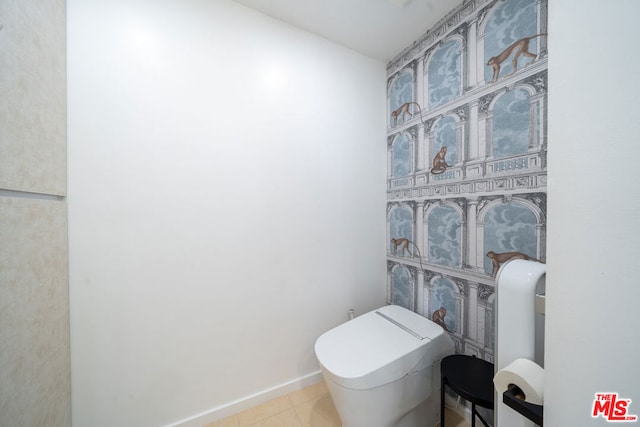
(466, 181)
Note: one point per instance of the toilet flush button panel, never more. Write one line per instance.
(413, 323)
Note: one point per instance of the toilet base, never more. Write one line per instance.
(426, 414)
(392, 405)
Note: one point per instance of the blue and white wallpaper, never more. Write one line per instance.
(401, 92)
(466, 182)
(445, 74)
(444, 135)
(445, 246)
(510, 21)
(511, 127)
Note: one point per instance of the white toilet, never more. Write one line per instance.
(383, 368)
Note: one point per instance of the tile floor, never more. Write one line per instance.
(310, 407)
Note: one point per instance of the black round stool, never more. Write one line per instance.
(471, 378)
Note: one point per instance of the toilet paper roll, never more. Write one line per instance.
(525, 374)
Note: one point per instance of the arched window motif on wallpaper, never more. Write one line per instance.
(401, 91)
(509, 227)
(511, 123)
(511, 20)
(400, 226)
(444, 135)
(401, 287)
(444, 239)
(445, 74)
(442, 294)
(401, 156)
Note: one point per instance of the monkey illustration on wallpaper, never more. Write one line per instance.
(461, 180)
(521, 47)
(439, 162)
(438, 317)
(403, 244)
(498, 259)
(404, 110)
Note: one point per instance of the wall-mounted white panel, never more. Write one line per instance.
(33, 96)
(34, 314)
(592, 319)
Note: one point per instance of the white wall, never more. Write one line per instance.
(226, 203)
(593, 289)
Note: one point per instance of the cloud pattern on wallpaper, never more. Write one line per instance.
(510, 21)
(444, 236)
(489, 195)
(444, 74)
(401, 277)
(509, 228)
(444, 135)
(443, 295)
(511, 123)
(401, 155)
(401, 224)
(400, 92)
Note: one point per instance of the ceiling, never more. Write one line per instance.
(380, 29)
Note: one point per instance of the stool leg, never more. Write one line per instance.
(473, 414)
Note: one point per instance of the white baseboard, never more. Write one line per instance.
(231, 408)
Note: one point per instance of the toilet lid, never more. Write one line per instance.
(375, 348)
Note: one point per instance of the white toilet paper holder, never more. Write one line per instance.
(520, 290)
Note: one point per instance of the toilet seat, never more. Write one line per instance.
(376, 348)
